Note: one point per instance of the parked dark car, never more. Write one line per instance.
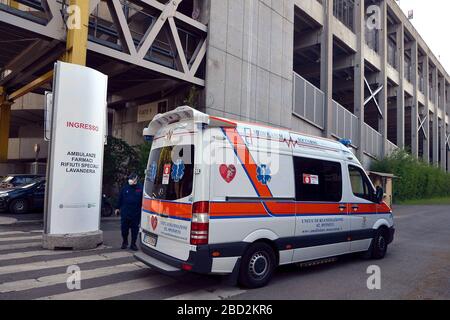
(23, 198)
(15, 180)
(31, 196)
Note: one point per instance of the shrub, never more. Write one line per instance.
(120, 159)
(142, 150)
(417, 179)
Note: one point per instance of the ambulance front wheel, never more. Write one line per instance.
(379, 244)
(257, 266)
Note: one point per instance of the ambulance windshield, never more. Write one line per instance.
(170, 172)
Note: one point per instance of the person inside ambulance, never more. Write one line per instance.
(129, 208)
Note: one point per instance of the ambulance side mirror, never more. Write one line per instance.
(379, 194)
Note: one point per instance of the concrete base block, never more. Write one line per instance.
(73, 241)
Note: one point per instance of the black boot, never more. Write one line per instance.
(124, 245)
(134, 247)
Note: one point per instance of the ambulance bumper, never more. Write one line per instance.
(156, 264)
(199, 261)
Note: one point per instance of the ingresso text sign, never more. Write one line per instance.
(76, 152)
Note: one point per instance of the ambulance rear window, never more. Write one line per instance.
(170, 172)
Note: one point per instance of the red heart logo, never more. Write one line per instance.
(154, 221)
(227, 172)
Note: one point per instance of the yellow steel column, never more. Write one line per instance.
(76, 45)
(77, 32)
(13, 4)
(5, 115)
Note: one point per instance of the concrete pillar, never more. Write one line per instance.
(382, 99)
(5, 115)
(443, 137)
(400, 37)
(426, 110)
(359, 74)
(435, 118)
(415, 100)
(326, 65)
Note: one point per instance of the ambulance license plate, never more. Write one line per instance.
(150, 239)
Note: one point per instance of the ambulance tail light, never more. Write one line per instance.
(200, 223)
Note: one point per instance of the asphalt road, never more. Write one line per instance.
(417, 266)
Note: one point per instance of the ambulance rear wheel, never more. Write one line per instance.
(257, 266)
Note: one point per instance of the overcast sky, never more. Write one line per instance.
(432, 21)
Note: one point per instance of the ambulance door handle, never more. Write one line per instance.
(342, 207)
(355, 207)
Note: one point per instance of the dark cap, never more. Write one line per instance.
(132, 176)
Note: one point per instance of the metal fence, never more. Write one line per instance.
(374, 140)
(344, 11)
(344, 124)
(309, 104)
(309, 101)
(391, 148)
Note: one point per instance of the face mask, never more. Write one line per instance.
(132, 182)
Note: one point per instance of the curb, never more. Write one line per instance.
(5, 221)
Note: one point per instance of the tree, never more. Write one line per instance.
(120, 159)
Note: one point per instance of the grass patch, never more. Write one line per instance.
(433, 201)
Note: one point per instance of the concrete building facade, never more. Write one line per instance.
(353, 69)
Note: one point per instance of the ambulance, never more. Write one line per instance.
(230, 197)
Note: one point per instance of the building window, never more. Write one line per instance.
(317, 180)
(361, 186)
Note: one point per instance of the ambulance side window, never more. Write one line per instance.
(361, 187)
(317, 180)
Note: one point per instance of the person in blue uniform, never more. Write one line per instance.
(129, 208)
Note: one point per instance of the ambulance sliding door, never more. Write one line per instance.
(322, 223)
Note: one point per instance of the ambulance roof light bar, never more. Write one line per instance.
(346, 142)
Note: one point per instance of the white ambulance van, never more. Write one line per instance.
(228, 197)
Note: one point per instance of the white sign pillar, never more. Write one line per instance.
(75, 162)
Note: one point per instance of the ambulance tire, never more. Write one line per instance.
(379, 244)
(257, 266)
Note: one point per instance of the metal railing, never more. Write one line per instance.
(309, 104)
(408, 69)
(374, 140)
(344, 11)
(344, 124)
(392, 54)
(391, 148)
(309, 101)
